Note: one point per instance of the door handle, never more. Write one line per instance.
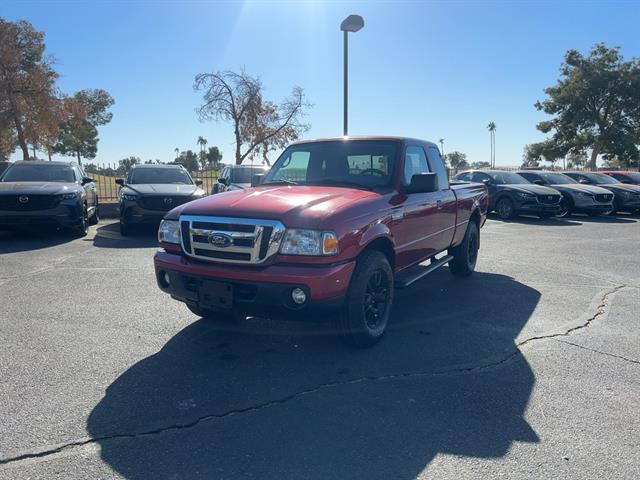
(439, 204)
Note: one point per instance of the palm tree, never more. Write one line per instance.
(492, 130)
(202, 142)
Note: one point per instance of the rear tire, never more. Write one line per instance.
(505, 208)
(364, 318)
(465, 255)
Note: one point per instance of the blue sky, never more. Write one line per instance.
(425, 69)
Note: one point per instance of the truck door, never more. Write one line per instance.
(417, 235)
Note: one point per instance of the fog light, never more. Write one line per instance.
(298, 296)
(167, 278)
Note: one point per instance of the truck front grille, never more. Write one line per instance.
(27, 203)
(245, 241)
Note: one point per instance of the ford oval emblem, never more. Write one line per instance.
(23, 199)
(220, 240)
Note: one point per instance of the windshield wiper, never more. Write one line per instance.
(280, 182)
(342, 183)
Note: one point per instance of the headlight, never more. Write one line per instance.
(583, 194)
(128, 196)
(309, 242)
(69, 196)
(525, 196)
(626, 195)
(169, 231)
(198, 193)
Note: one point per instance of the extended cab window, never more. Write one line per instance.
(415, 161)
(437, 165)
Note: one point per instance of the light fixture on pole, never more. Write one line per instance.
(352, 23)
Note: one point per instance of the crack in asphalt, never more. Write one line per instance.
(601, 310)
(620, 357)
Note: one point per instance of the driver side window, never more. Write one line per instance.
(480, 177)
(415, 161)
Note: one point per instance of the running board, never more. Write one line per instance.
(404, 279)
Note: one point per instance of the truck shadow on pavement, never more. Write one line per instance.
(278, 401)
(108, 236)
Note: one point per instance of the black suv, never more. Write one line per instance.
(150, 191)
(56, 193)
(510, 194)
(237, 177)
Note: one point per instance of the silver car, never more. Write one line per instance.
(576, 197)
(237, 177)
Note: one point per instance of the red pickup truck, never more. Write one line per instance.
(332, 228)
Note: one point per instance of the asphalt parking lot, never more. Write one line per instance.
(528, 369)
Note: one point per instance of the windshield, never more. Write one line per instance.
(244, 175)
(39, 173)
(600, 178)
(556, 178)
(503, 178)
(357, 163)
(159, 176)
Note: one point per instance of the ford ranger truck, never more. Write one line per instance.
(332, 228)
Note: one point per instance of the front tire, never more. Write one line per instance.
(465, 255)
(125, 229)
(364, 318)
(95, 218)
(82, 229)
(505, 208)
(565, 208)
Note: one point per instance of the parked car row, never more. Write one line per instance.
(548, 194)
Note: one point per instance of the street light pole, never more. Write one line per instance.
(345, 86)
(352, 23)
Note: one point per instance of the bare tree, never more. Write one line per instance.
(258, 126)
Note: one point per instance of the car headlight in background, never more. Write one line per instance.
(309, 242)
(128, 196)
(198, 193)
(525, 196)
(626, 195)
(169, 231)
(69, 196)
(583, 194)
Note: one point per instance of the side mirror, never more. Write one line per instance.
(538, 182)
(257, 179)
(86, 180)
(222, 180)
(198, 182)
(423, 183)
(486, 181)
(583, 181)
(120, 181)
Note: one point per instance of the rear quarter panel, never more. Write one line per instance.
(471, 197)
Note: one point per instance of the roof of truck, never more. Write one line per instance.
(366, 137)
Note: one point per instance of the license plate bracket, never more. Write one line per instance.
(213, 294)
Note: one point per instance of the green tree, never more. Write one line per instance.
(480, 165)
(85, 111)
(188, 160)
(457, 160)
(258, 125)
(530, 159)
(126, 163)
(595, 105)
(27, 84)
(492, 132)
(214, 157)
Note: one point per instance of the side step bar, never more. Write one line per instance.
(404, 279)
